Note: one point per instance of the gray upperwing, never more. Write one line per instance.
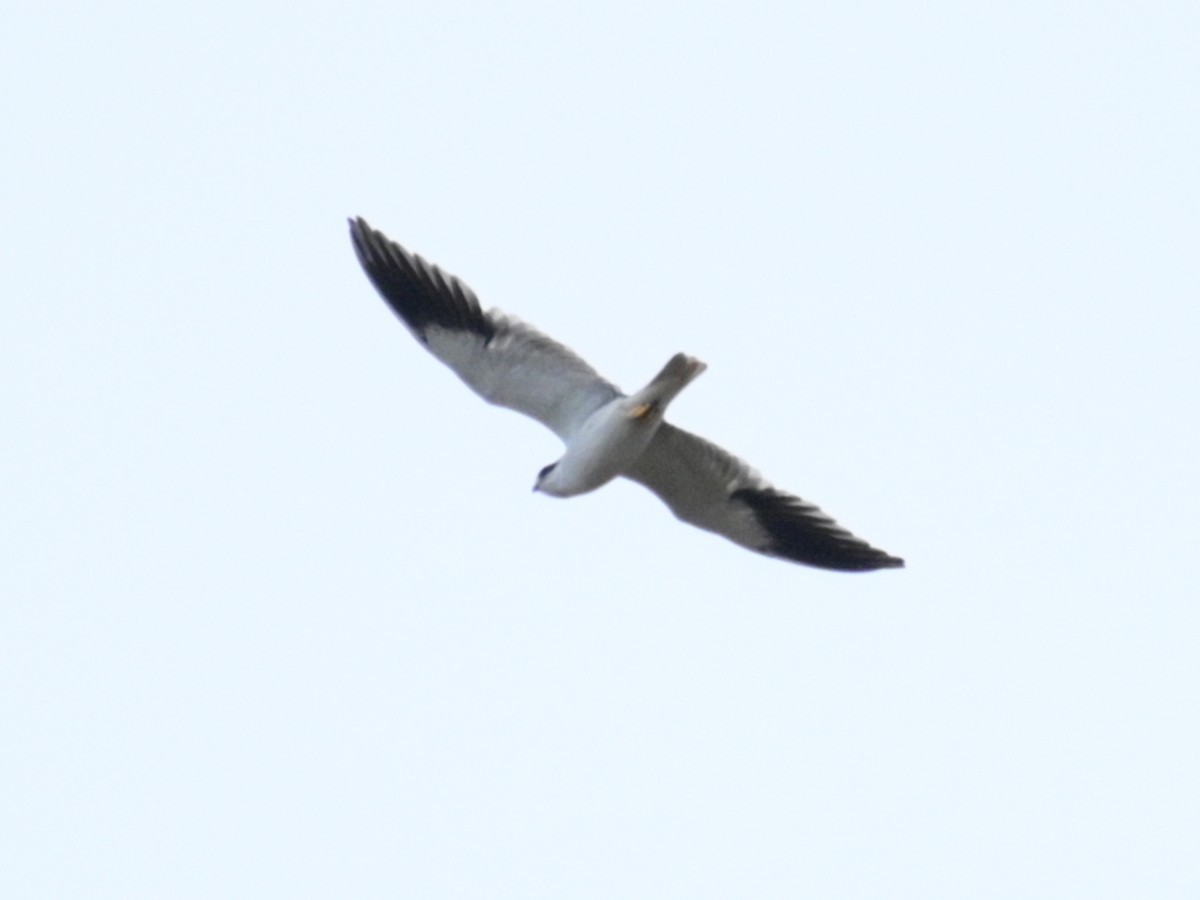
(707, 487)
(505, 361)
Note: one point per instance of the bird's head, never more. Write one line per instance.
(546, 482)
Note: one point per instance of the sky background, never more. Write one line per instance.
(280, 616)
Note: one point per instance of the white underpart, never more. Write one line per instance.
(613, 437)
(604, 446)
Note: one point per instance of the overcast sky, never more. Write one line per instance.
(280, 616)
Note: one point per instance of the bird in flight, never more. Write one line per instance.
(606, 432)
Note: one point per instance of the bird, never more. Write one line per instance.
(607, 434)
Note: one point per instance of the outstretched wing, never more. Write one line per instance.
(505, 361)
(714, 490)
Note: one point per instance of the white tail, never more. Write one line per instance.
(677, 374)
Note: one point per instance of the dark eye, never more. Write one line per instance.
(546, 471)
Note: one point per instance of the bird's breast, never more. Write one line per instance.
(606, 444)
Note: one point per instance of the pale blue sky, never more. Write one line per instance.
(281, 617)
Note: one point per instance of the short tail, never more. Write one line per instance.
(677, 374)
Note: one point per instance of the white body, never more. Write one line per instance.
(614, 437)
(606, 444)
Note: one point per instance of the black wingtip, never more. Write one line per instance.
(420, 293)
(801, 533)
